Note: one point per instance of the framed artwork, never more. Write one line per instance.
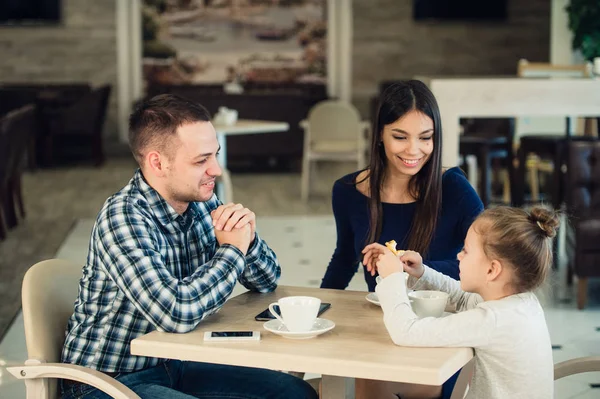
(234, 41)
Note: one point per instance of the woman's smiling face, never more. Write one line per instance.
(408, 142)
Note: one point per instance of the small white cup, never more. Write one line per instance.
(230, 117)
(428, 303)
(298, 313)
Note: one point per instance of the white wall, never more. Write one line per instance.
(560, 53)
(560, 35)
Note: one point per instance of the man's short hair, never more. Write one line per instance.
(154, 123)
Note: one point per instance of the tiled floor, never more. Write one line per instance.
(304, 245)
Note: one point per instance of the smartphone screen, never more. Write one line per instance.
(216, 334)
(265, 315)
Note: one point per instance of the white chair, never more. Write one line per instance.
(48, 296)
(332, 132)
(463, 380)
(576, 366)
(561, 370)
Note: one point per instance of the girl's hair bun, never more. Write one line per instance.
(546, 219)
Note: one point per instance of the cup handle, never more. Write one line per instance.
(274, 313)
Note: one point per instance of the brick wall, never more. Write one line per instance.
(81, 48)
(389, 44)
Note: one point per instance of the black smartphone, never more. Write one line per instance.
(266, 315)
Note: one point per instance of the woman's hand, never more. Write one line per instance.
(371, 254)
(413, 263)
(377, 256)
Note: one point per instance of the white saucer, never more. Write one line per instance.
(372, 297)
(277, 327)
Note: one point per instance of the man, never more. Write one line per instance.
(164, 254)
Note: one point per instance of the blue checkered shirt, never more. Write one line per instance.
(149, 268)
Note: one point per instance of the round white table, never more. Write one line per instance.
(243, 126)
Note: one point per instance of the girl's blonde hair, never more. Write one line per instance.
(520, 238)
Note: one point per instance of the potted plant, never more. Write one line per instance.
(584, 22)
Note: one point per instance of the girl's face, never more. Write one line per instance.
(408, 142)
(474, 264)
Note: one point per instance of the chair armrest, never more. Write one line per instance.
(74, 372)
(463, 380)
(576, 366)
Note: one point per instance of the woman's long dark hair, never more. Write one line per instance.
(426, 186)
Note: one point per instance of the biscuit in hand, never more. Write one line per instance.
(391, 245)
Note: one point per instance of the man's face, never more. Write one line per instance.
(192, 166)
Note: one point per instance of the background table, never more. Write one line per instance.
(242, 126)
(507, 97)
(359, 345)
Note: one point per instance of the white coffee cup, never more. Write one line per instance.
(230, 117)
(428, 303)
(298, 313)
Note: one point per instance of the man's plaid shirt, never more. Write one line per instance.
(149, 268)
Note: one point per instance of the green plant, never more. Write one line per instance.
(156, 49)
(150, 23)
(159, 5)
(584, 22)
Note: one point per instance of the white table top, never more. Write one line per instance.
(509, 97)
(246, 126)
(359, 346)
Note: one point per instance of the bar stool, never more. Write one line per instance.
(549, 147)
(488, 140)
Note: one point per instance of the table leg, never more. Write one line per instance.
(518, 198)
(558, 176)
(333, 387)
(472, 171)
(222, 159)
(486, 176)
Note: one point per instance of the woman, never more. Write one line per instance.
(403, 195)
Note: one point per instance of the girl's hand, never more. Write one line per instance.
(413, 263)
(371, 254)
(388, 263)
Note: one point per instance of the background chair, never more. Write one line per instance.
(16, 129)
(541, 148)
(82, 121)
(583, 205)
(490, 140)
(49, 291)
(333, 132)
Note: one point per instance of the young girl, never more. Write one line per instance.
(507, 255)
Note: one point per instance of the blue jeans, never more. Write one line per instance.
(175, 379)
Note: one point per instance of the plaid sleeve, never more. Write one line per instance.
(262, 268)
(132, 259)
